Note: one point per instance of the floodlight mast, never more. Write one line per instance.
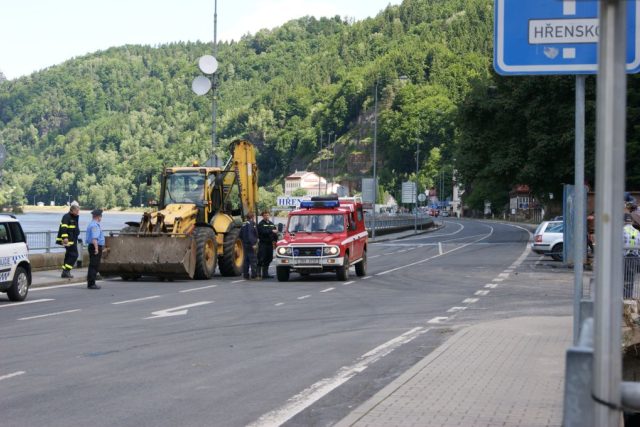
(214, 78)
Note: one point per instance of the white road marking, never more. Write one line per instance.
(470, 300)
(437, 235)
(44, 288)
(482, 293)
(328, 290)
(509, 271)
(491, 285)
(304, 297)
(135, 300)
(48, 315)
(198, 289)
(279, 304)
(15, 304)
(365, 278)
(437, 320)
(435, 256)
(14, 374)
(504, 275)
(375, 256)
(317, 391)
(238, 281)
(498, 280)
(456, 309)
(440, 248)
(176, 311)
(348, 283)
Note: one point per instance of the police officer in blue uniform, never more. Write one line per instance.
(68, 234)
(95, 239)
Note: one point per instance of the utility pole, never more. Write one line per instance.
(214, 105)
(320, 167)
(415, 195)
(375, 160)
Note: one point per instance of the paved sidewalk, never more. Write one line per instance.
(502, 373)
(52, 277)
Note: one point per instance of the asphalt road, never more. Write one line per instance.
(229, 352)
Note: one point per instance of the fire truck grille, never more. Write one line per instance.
(307, 251)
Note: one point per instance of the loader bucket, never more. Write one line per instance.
(160, 255)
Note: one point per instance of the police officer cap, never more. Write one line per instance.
(75, 204)
(96, 212)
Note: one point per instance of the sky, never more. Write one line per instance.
(35, 34)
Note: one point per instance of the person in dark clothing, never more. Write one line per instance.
(68, 234)
(267, 236)
(249, 237)
(96, 241)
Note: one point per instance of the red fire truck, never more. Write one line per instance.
(326, 234)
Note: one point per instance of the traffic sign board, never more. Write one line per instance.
(555, 37)
(409, 192)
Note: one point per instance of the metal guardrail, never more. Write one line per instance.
(385, 222)
(45, 241)
(631, 276)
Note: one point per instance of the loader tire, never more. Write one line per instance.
(205, 253)
(230, 263)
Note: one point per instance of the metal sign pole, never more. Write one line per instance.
(579, 213)
(610, 161)
(214, 101)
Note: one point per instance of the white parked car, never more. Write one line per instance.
(548, 239)
(15, 269)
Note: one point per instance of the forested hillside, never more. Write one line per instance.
(95, 126)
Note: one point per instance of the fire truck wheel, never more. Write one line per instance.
(361, 267)
(282, 273)
(343, 272)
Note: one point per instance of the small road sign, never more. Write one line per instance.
(555, 37)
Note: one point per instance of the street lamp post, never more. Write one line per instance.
(415, 223)
(326, 190)
(333, 166)
(320, 167)
(375, 161)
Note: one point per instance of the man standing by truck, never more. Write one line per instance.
(249, 237)
(267, 236)
(68, 234)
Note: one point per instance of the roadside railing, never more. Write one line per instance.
(631, 277)
(386, 223)
(45, 241)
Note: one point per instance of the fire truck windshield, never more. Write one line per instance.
(328, 223)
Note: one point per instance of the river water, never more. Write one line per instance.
(51, 221)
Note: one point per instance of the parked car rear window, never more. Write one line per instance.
(17, 235)
(554, 228)
(4, 234)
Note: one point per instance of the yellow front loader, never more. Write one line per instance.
(197, 224)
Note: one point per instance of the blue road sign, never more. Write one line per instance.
(555, 37)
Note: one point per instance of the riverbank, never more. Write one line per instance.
(62, 209)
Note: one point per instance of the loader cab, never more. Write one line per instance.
(184, 187)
